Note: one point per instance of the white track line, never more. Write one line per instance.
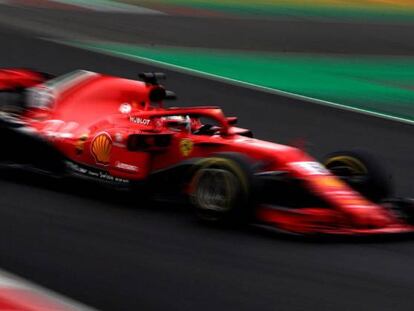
(236, 82)
(110, 6)
(26, 295)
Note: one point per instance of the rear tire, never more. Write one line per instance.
(362, 172)
(221, 189)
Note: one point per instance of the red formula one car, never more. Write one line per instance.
(116, 131)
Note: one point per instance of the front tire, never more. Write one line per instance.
(362, 172)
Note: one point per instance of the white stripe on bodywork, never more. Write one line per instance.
(62, 83)
(44, 95)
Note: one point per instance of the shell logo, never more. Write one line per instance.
(101, 148)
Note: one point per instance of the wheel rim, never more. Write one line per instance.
(216, 190)
(346, 166)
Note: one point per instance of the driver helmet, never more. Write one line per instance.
(177, 123)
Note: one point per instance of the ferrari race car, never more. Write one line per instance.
(117, 131)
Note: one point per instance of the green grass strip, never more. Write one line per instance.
(304, 9)
(383, 85)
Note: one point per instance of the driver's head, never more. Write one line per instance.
(177, 123)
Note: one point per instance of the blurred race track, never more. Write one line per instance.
(115, 252)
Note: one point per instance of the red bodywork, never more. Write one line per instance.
(90, 118)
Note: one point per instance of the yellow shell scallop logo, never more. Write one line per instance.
(101, 148)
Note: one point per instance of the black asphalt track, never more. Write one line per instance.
(119, 253)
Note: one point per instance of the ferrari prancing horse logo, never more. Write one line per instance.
(186, 147)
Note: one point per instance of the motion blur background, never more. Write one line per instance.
(338, 74)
